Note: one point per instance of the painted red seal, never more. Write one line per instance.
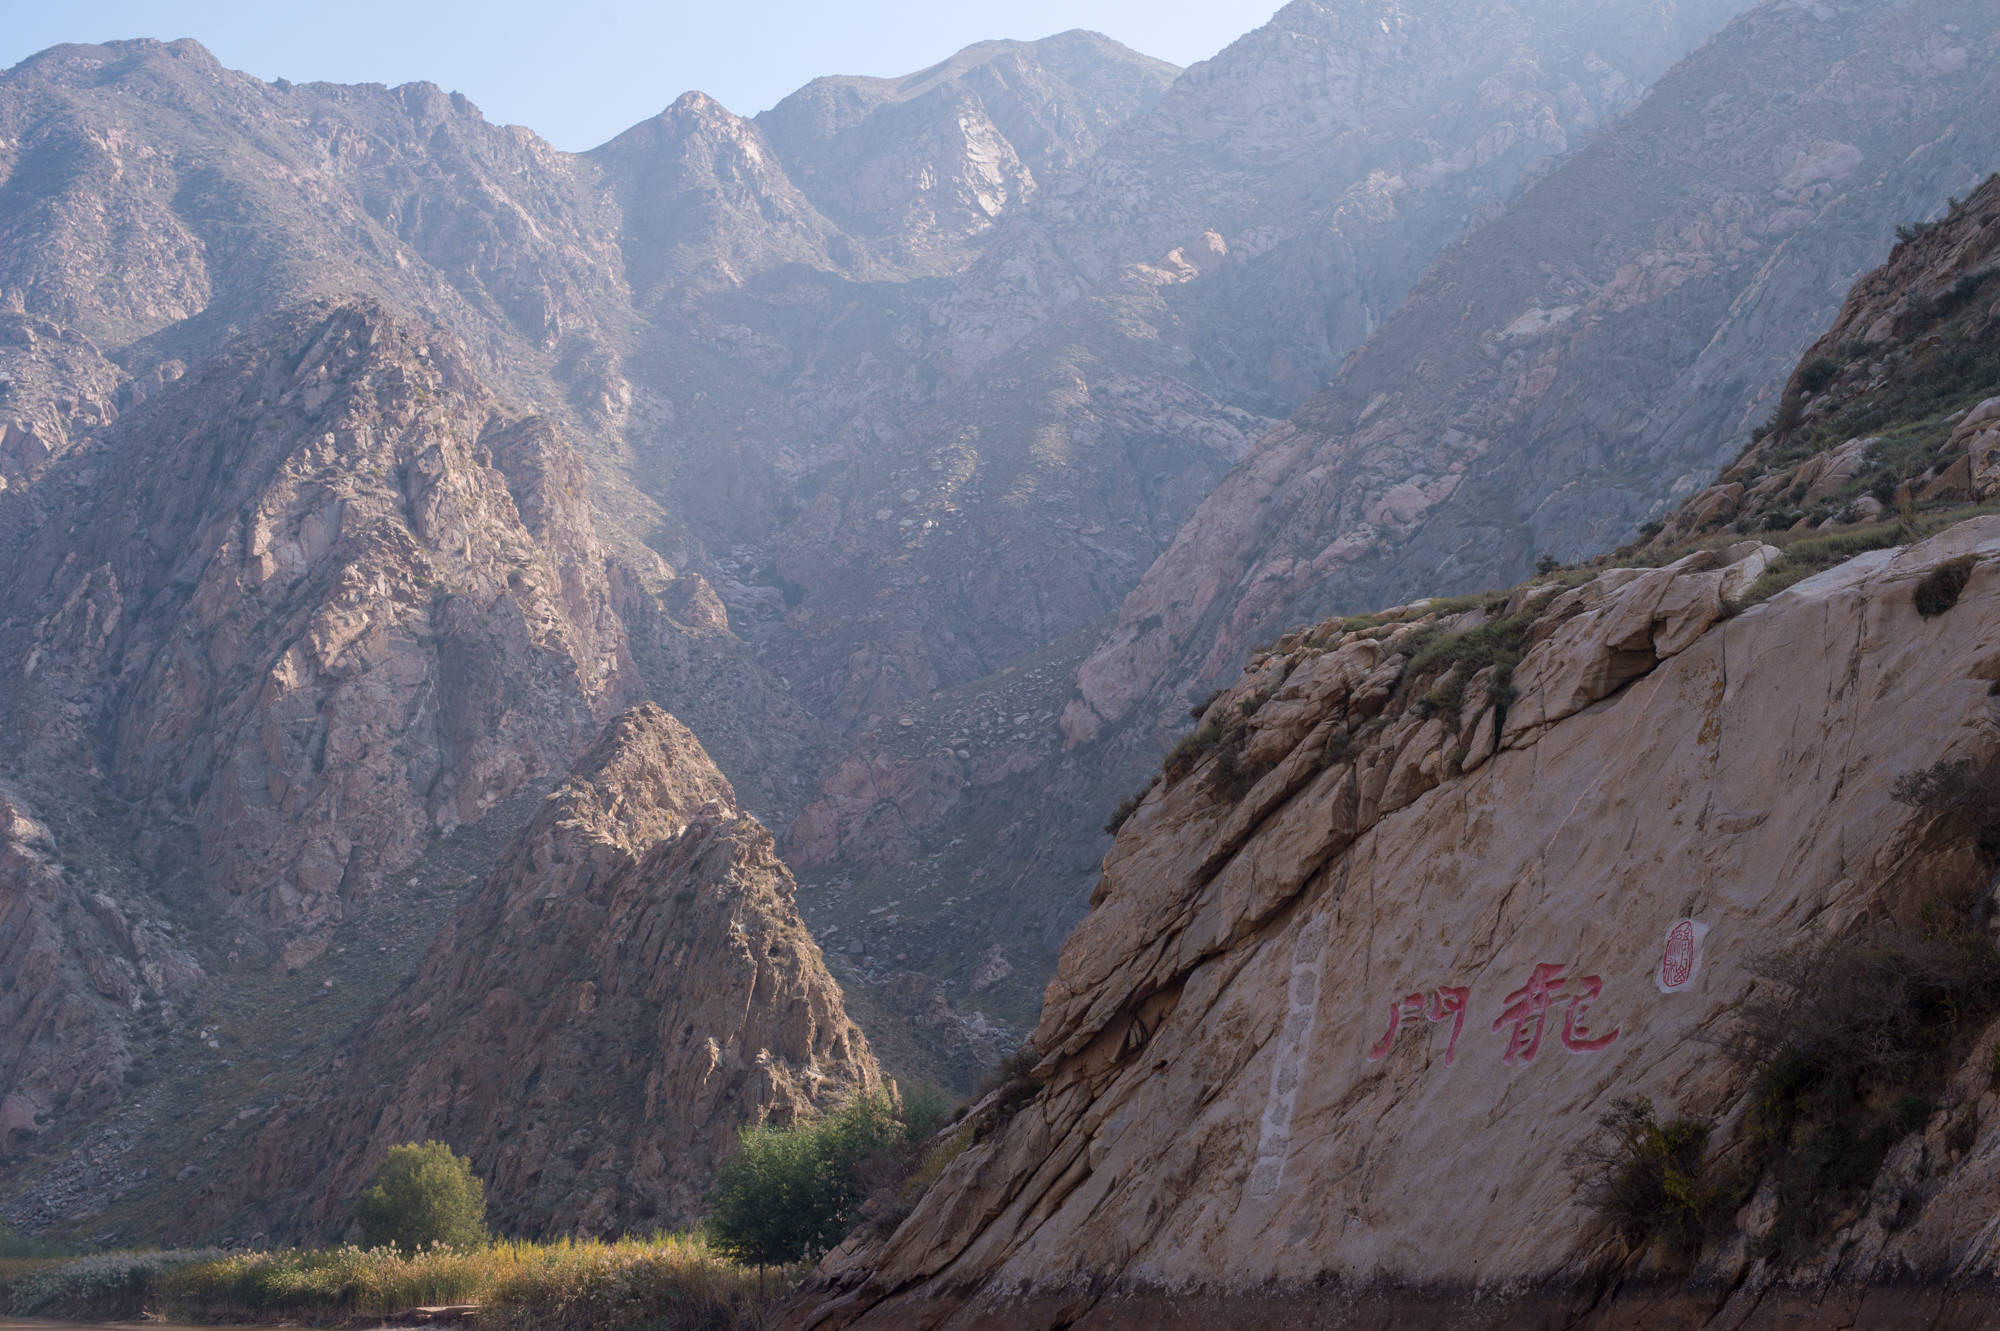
(1677, 962)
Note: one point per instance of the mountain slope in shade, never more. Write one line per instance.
(1539, 396)
(632, 984)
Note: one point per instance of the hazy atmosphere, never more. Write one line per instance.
(1078, 667)
(578, 73)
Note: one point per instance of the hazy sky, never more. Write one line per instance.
(579, 72)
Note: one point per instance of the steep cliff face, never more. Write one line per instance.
(1538, 396)
(1893, 411)
(269, 637)
(335, 632)
(77, 964)
(1430, 893)
(1301, 1022)
(631, 985)
(932, 160)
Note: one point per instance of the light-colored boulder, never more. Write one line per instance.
(1258, 1084)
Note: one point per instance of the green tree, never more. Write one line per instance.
(791, 1193)
(423, 1195)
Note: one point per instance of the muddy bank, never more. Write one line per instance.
(1628, 1306)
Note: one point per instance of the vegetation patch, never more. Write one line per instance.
(792, 1192)
(1653, 1180)
(108, 1286)
(1854, 1038)
(423, 1196)
(1802, 559)
(1940, 588)
(1181, 759)
(669, 1282)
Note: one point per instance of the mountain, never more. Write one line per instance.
(1532, 396)
(405, 452)
(1653, 868)
(1535, 396)
(631, 984)
(928, 161)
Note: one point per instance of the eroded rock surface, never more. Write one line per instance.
(632, 984)
(1499, 415)
(1278, 1056)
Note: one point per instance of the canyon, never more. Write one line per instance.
(454, 585)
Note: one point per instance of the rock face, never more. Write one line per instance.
(77, 965)
(371, 609)
(631, 985)
(1241, 1105)
(1895, 407)
(1430, 891)
(1537, 397)
(927, 162)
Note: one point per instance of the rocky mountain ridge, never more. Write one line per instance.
(1525, 378)
(837, 432)
(631, 985)
(1437, 893)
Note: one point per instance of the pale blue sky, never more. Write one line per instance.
(579, 72)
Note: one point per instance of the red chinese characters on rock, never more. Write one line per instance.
(1525, 1015)
(1444, 1002)
(1527, 1011)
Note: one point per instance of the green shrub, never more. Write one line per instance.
(1184, 755)
(1940, 588)
(1649, 1179)
(790, 1193)
(1817, 373)
(421, 1196)
(1964, 791)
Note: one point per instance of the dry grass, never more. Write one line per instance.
(668, 1283)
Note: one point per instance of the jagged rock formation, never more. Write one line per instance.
(631, 985)
(1537, 396)
(1303, 1014)
(370, 609)
(1234, 1121)
(1893, 409)
(76, 964)
(929, 161)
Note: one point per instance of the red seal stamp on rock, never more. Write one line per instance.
(1682, 956)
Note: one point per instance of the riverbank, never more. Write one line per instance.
(668, 1283)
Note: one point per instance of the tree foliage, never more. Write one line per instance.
(421, 1196)
(792, 1192)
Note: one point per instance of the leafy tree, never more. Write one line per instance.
(791, 1193)
(423, 1195)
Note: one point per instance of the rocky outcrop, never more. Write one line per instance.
(55, 388)
(632, 984)
(930, 161)
(1534, 396)
(77, 964)
(1895, 410)
(1302, 1015)
(367, 610)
